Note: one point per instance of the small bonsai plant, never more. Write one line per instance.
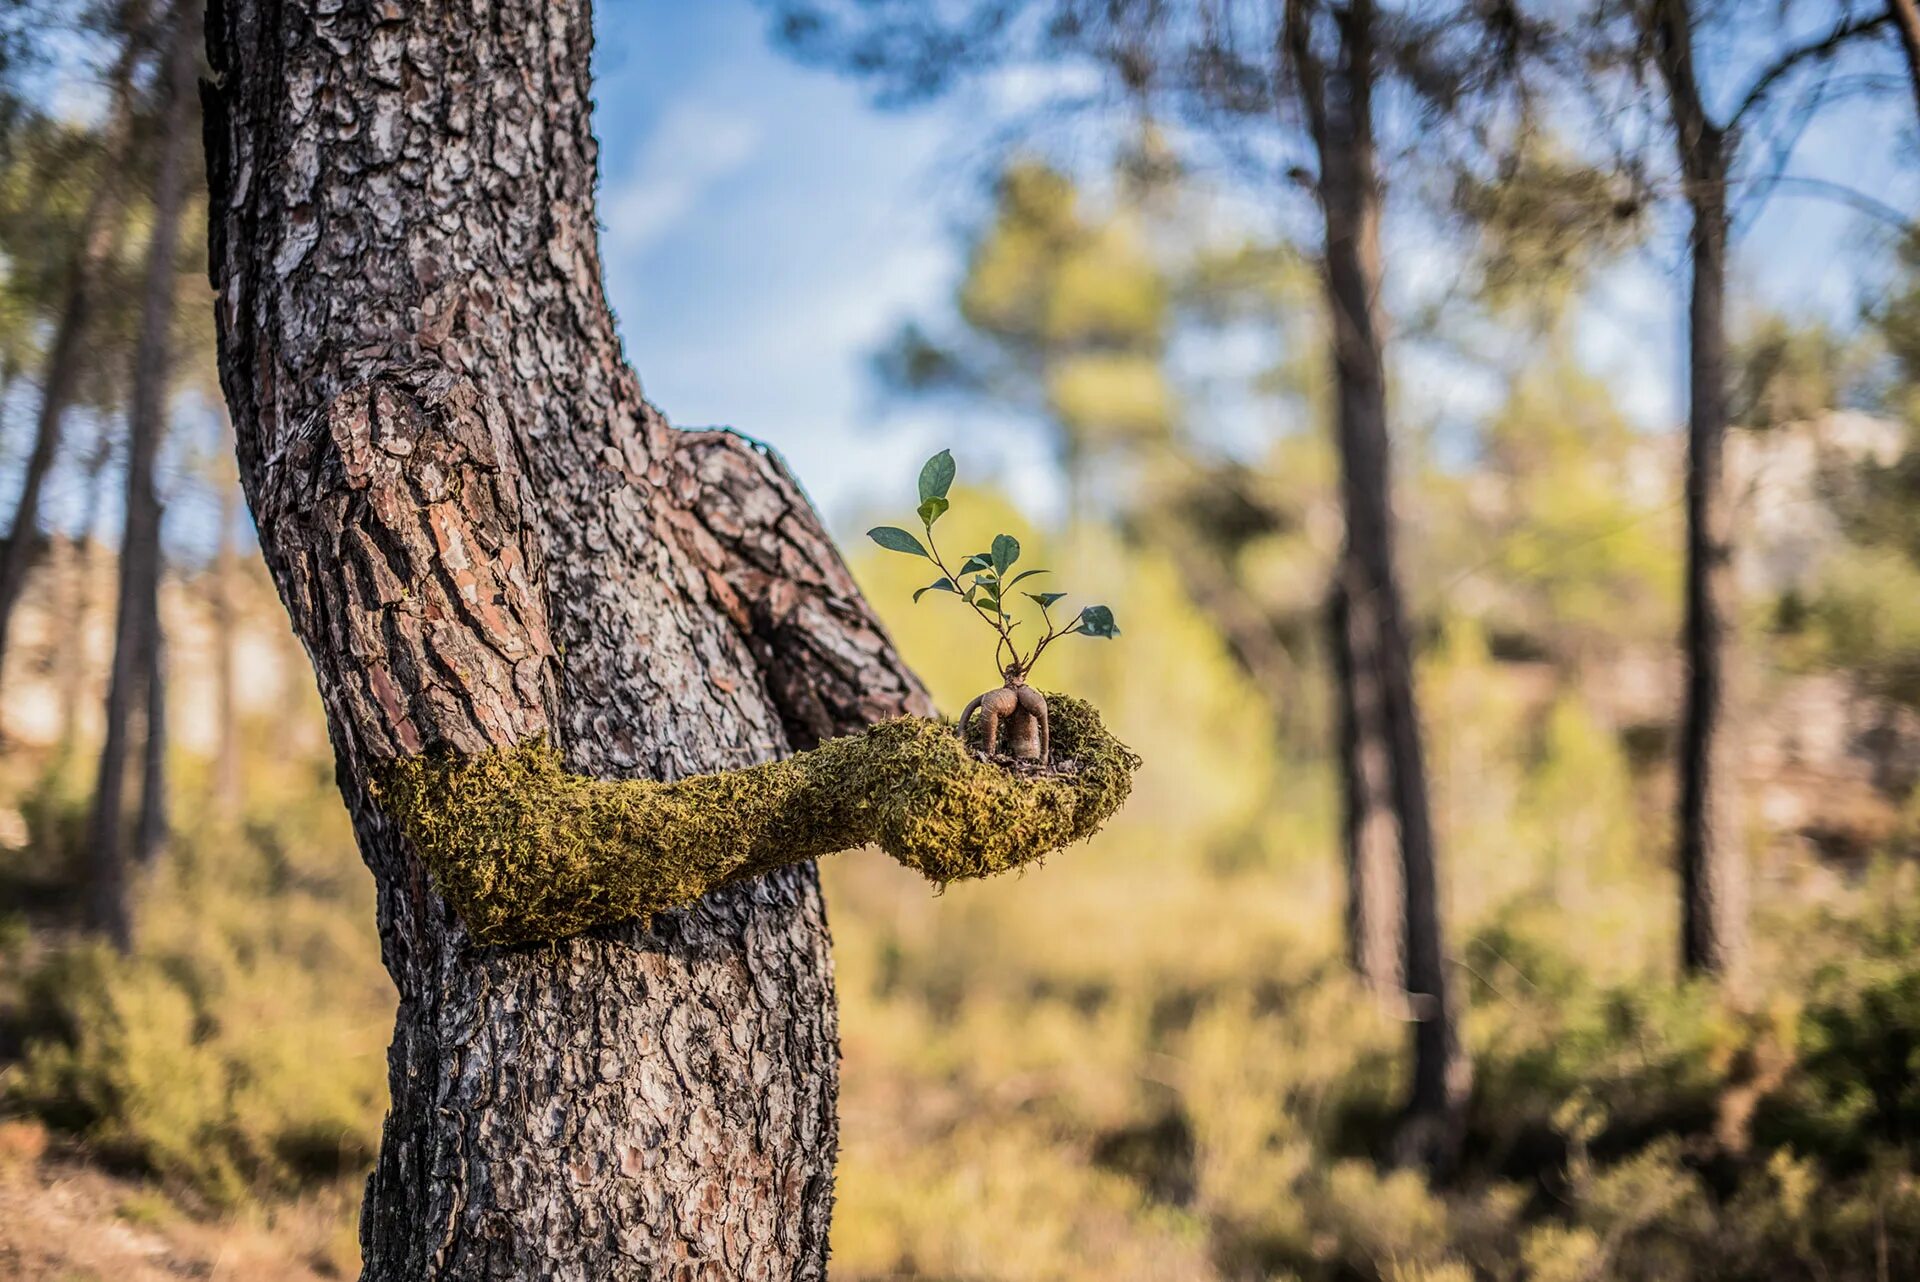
(1014, 721)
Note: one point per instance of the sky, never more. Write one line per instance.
(766, 228)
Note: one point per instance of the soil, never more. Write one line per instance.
(64, 1219)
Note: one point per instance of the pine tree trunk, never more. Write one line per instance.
(483, 533)
(67, 353)
(1375, 665)
(151, 829)
(1712, 855)
(1713, 866)
(228, 788)
(1376, 904)
(134, 683)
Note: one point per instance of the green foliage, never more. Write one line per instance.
(1791, 373)
(1545, 222)
(1567, 548)
(1896, 318)
(992, 578)
(526, 851)
(1863, 616)
(238, 1052)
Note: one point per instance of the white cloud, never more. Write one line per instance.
(692, 147)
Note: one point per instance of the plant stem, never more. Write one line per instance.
(999, 624)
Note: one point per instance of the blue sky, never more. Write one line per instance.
(766, 228)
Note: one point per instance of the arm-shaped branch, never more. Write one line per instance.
(525, 851)
(745, 525)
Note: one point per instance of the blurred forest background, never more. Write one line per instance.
(1170, 1055)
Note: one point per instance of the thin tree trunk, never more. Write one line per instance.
(1376, 903)
(227, 785)
(1712, 856)
(73, 662)
(134, 682)
(1340, 116)
(150, 831)
(67, 353)
(1713, 864)
(483, 533)
(1906, 20)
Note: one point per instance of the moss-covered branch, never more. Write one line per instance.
(526, 851)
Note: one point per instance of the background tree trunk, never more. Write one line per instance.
(1713, 865)
(134, 682)
(228, 787)
(1712, 855)
(1375, 665)
(1376, 902)
(483, 533)
(1906, 20)
(66, 355)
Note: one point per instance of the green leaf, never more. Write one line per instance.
(1025, 574)
(944, 585)
(978, 561)
(1046, 599)
(932, 510)
(1006, 550)
(936, 476)
(895, 539)
(1097, 621)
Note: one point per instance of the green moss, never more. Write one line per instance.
(526, 851)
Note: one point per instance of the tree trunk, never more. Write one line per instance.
(483, 533)
(66, 352)
(151, 829)
(228, 789)
(1713, 866)
(1906, 19)
(1376, 903)
(134, 682)
(1376, 659)
(72, 663)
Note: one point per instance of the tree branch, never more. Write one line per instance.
(1786, 64)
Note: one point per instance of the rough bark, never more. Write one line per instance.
(483, 533)
(134, 684)
(1377, 661)
(1712, 855)
(66, 351)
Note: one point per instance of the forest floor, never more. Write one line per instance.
(65, 1219)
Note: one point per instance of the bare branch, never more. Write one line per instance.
(1843, 34)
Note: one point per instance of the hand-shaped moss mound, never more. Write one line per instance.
(525, 851)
